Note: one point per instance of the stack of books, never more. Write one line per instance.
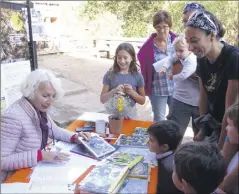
(109, 175)
(121, 171)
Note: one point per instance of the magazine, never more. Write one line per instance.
(104, 178)
(134, 141)
(98, 146)
(124, 159)
(133, 185)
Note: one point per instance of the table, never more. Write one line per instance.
(22, 175)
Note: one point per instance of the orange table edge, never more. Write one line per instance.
(22, 175)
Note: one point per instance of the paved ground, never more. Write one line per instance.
(81, 77)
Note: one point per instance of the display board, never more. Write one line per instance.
(15, 55)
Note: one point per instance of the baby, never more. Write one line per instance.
(182, 54)
(184, 105)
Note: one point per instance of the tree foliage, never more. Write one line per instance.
(137, 15)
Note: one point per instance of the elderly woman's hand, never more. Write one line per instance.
(85, 135)
(55, 157)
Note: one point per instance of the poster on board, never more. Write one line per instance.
(15, 55)
(38, 31)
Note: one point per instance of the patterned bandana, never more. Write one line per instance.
(193, 6)
(201, 20)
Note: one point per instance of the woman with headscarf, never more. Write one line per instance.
(189, 9)
(218, 71)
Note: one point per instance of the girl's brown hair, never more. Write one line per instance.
(133, 68)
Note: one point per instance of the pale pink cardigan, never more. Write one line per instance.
(21, 137)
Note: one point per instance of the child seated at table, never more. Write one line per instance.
(199, 168)
(230, 151)
(164, 137)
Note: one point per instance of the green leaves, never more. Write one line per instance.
(135, 17)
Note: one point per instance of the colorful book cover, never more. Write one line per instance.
(148, 157)
(124, 159)
(133, 185)
(140, 131)
(134, 141)
(140, 170)
(98, 146)
(104, 178)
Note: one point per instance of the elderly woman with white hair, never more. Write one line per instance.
(26, 126)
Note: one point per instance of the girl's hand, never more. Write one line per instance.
(128, 89)
(55, 157)
(119, 89)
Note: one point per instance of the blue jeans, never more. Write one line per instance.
(158, 104)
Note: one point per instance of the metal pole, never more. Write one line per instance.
(31, 46)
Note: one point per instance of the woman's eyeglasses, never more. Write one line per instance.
(158, 27)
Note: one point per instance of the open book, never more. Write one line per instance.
(82, 150)
(97, 148)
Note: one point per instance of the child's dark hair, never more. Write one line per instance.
(166, 132)
(232, 113)
(201, 165)
(133, 68)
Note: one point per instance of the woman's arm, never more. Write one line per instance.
(203, 108)
(11, 132)
(58, 133)
(231, 97)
